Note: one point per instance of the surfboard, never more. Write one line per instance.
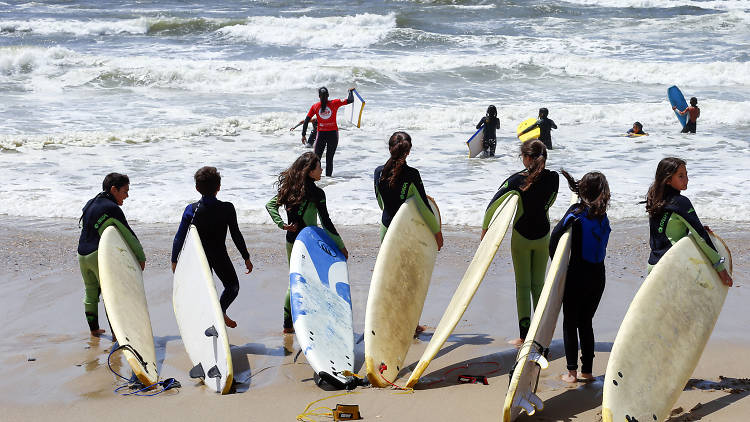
(532, 134)
(200, 318)
(469, 284)
(677, 99)
(664, 333)
(357, 107)
(400, 279)
(476, 143)
(322, 305)
(121, 281)
(532, 356)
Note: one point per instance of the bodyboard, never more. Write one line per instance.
(532, 134)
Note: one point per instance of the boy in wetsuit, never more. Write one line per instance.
(491, 123)
(693, 113)
(212, 218)
(99, 213)
(309, 142)
(545, 126)
(637, 129)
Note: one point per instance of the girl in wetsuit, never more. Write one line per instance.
(585, 278)
(545, 126)
(304, 203)
(537, 188)
(212, 218)
(672, 216)
(328, 130)
(99, 213)
(693, 112)
(491, 123)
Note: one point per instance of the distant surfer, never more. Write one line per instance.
(672, 216)
(313, 133)
(395, 182)
(584, 282)
(99, 213)
(637, 130)
(693, 112)
(304, 203)
(545, 126)
(537, 189)
(212, 217)
(491, 123)
(328, 130)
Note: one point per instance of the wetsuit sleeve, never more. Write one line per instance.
(179, 237)
(273, 210)
(325, 220)
(481, 122)
(552, 124)
(530, 128)
(496, 200)
(127, 234)
(424, 206)
(234, 230)
(559, 229)
(497, 123)
(687, 216)
(350, 98)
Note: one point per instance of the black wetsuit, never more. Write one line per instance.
(95, 212)
(545, 126)
(408, 183)
(584, 283)
(313, 134)
(535, 201)
(295, 214)
(491, 124)
(212, 218)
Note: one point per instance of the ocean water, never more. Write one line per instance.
(157, 89)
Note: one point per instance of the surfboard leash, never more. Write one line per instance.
(318, 412)
(134, 383)
(405, 390)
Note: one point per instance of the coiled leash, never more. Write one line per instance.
(133, 383)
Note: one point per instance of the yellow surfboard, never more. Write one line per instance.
(532, 134)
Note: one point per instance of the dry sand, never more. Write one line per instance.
(53, 369)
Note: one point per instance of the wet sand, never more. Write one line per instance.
(55, 370)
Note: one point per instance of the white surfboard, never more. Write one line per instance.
(469, 284)
(400, 279)
(664, 333)
(476, 143)
(121, 281)
(199, 316)
(322, 306)
(532, 356)
(356, 109)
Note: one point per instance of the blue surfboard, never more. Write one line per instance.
(322, 306)
(677, 99)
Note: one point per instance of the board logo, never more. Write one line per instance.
(325, 248)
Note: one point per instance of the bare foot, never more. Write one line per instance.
(97, 333)
(517, 342)
(419, 330)
(586, 377)
(570, 377)
(289, 330)
(229, 321)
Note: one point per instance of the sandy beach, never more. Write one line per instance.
(55, 370)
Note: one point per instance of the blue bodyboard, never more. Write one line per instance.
(677, 99)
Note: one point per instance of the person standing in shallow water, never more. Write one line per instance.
(328, 130)
(99, 213)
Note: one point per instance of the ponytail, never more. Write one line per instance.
(538, 154)
(399, 145)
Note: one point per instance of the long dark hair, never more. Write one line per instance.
(593, 190)
(399, 145)
(538, 153)
(292, 183)
(666, 168)
(323, 95)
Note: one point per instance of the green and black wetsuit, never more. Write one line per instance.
(303, 214)
(408, 184)
(677, 221)
(99, 213)
(530, 240)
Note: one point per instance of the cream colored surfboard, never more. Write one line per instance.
(398, 289)
(124, 297)
(469, 284)
(531, 357)
(663, 334)
(200, 318)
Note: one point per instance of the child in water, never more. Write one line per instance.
(545, 126)
(212, 218)
(672, 216)
(491, 123)
(693, 112)
(637, 130)
(585, 278)
(310, 141)
(304, 203)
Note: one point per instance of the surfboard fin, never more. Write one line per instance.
(214, 372)
(211, 332)
(539, 359)
(529, 402)
(197, 371)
